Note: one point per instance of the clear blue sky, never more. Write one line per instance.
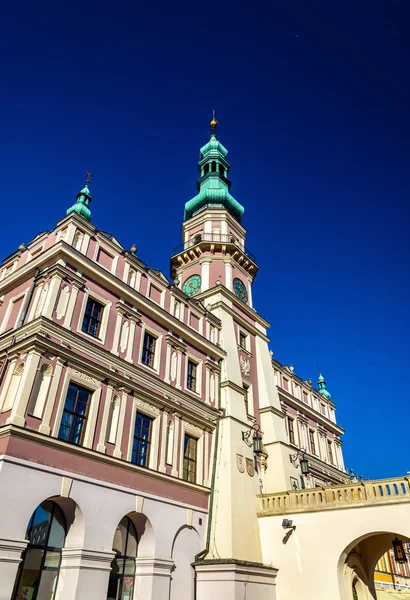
(313, 102)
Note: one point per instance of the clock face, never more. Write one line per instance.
(240, 290)
(192, 285)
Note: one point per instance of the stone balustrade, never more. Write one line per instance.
(381, 491)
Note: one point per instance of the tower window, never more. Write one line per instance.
(213, 166)
(206, 169)
(243, 340)
(92, 317)
(330, 452)
(221, 170)
(190, 458)
(148, 350)
(291, 431)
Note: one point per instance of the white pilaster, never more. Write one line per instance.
(164, 430)
(117, 450)
(103, 432)
(117, 332)
(71, 305)
(84, 573)
(52, 296)
(153, 578)
(10, 558)
(45, 425)
(21, 400)
(130, 345)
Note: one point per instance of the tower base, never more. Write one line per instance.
(230, 579)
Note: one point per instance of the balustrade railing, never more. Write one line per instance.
(335, 496)
(215, 238)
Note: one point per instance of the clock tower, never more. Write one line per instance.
(213, 251)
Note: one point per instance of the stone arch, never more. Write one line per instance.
(358, 561)
(54, 525)
(186, 545)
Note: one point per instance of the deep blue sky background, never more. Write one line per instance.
(313, 100)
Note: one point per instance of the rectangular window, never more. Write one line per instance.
(242, 340)
(330, 452)
(191, 376)
(312, 441)
(190, 452)
(148, 350)
(246, 397)
(92, 317)
(142, 440)
(75, 412)
(291, 431)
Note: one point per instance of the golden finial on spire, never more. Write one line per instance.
(214, 122)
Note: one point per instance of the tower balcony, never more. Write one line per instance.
(213, 243)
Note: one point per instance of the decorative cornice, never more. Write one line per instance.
(309, 411)
(175, 342)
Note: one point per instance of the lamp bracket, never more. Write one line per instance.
(246, 435)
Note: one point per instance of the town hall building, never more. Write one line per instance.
(151, 446)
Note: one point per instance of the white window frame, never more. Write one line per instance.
(110, 253)
(158, 346)
(244, 333)
(199, 365)
(198, 434)
(151, 284)
(153, 413)
(105, 316)
(94, 388)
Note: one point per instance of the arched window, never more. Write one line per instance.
(13, 387)
(213, 166)
(206, 169)
(221, 169)
(121, 583)
(113, 419)
(40, 390)
(38, 572)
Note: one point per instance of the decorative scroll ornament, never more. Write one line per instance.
(148, 407)
(250, 469)
(83, 376)
(245, 365)
(240, 463)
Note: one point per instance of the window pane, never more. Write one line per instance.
(40, 525)
(47, 586)
(57, 531)
(30, 573)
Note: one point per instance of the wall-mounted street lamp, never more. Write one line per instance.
(303, 461)
(253, 437)
(399, 552)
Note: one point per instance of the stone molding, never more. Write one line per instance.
(80, 558)
(11, 550)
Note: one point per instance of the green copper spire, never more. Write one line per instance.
(83, 201)
(322, 387)
(213, 185)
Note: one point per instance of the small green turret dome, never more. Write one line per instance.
(213, 185)
(82, 203)
(322, 387)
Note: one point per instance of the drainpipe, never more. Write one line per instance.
(211, 498)
(28, 300)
